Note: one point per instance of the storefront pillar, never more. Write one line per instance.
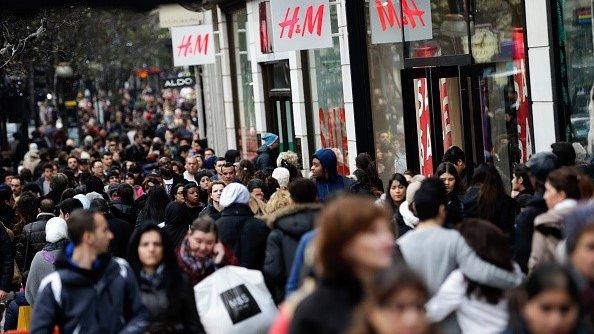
(226, 78)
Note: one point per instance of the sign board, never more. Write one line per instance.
(387, 20)
(174, 15)
(193, 45)
(300, 24)
(179, 82)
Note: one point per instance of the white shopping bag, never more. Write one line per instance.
(235, 300)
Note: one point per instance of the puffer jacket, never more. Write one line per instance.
(549, 230)
(288, 226)
(244, 235)
(32, 241)
(525, 229)
(105, 299)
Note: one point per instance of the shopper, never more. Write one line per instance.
(90, 290)
(395, 195)
(213, 209)
(324, 172)
(165, 291)
(354, 243)
(522, 190)
(267, 153)
(448, 174)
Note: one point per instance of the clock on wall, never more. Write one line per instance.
(485, 44)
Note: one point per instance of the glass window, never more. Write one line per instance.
(327, 97)
(578, 40)
(247, 138)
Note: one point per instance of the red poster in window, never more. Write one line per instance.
(446, 123)
(424, 131)
(524, 140)
(333, 136)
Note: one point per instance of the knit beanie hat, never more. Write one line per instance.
(269, 138)
(56, 230)
(281, 175)
(84, 201)
(234, 193)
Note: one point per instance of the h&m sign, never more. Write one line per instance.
(389, 17)
(193, 45)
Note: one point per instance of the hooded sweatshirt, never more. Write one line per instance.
(333, 182)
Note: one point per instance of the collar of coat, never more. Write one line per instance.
(290, 210)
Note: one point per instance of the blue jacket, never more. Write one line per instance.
(334, 182)
(295, 276)
(105, 299)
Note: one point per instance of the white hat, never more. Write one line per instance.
(85, 155)
(282, 176)
(234, 193)
(56, 230)
(84, 201)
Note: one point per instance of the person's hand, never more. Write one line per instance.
(219, 253)
(3, 295)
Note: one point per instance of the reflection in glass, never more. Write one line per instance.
(451, 113)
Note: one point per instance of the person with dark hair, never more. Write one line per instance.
(487, 199)
(324, 172)
(563, 189)
(228, 173)
(32, 239)
(478, 308)
(203, 178)
(245, 171)
(434, 251)
(67, 206)
(165, 290)
(232, 156)
(368, 180)
(395, 303)
(154, 207)
(194, 200)
(44, 181)
(170, 178)
(288, 226)
(213, 209)
(58, 184)
(201, 252)
(522, 190)
(177, 194)
(448, 174)
(267, 153)
(16, 185)
(32, 187)
(90, 291)
(218, 167)
(539, 165)
(396, 195)
(121, 204)
(456, 157)
(548, 302)
(121, 229)
(135, 151)
(565, 153)
(176, 222)
(354, 243)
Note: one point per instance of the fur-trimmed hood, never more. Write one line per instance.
(278, 219)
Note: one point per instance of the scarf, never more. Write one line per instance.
(154, 280)
(191, 261)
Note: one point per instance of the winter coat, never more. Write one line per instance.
(266, 159)
(244, 235)
(399, 225)
(334, 182)
(6, 259)
(329, 309)
(41, 266)
(549, 230)
(123, 211)
(522, 201)
(32, 241)
(211, 212)
(176, 222)
(525, 229)
(121, 236)
(503, 215)
(455, 210)
(408, 218)
(288, 226)
(168, 315)
(105, 299)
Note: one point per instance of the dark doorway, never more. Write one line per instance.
(279, 106)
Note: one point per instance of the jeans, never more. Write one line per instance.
(11, 316)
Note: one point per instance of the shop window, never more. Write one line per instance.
(327, 97)
(247, 137)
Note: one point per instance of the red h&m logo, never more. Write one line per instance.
(311, 24)
(190, 46)
(389, 18)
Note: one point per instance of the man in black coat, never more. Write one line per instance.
(33, 235)
(6, 262)
(288, 226)
(267, 153)
(239, 230)
(120, 228)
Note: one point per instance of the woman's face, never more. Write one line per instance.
(551, 311)
(202, 244)
(449, 181)
(397, 192)
(582, 256)
(130, 181)
(205, 183)
(403, 313)
(259, 194)
(179, 195)
(372, 249)
(217, 190)
(552, 196)
(150, 249)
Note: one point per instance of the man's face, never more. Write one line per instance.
(48, 172)
(98, 169)
(208, 154)
(73, 164)
(7, 179)
(113, 145)
(192, 197)
(317, 170)
(191, 165)
(84, 166)
(219, 167)
(107, 160)
(102, 234)
(114, 179)
(16, 187)
(228, 173)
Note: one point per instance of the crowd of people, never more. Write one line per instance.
(113, 235)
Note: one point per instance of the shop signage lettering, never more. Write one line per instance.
(179, 82)
(388, 21)
(192, 45)
(300, 24)
(424, 122)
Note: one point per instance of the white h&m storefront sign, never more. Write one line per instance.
(193, 45)
(387, 21)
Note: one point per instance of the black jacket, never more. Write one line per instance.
(103, 300)
(121, 235)
(211, 211)
(329, 309)
(503, 215)
(244, 234)
(124, 212)
(525, 230)
(170, 314)
(266, 159)
(6, 260)
(454, 210)
(135, 153)
(288, 226)
(32, 241)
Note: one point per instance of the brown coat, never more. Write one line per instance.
(548, 232)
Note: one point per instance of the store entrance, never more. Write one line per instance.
(438, 114)
(279, 106)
